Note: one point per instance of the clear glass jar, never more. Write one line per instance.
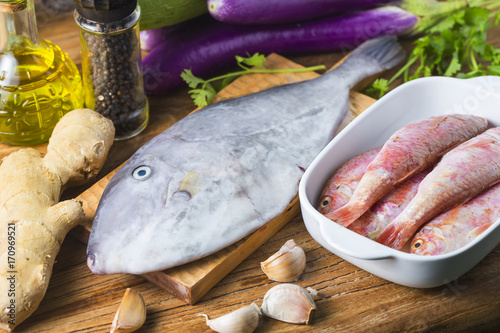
(39, 83)
(112, 65)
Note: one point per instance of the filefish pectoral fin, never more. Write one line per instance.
(190, 185)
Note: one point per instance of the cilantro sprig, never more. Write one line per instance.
(203, 91)
(455, 46)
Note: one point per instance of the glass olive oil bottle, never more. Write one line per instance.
(39, 83)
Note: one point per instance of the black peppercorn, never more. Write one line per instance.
(112, 63)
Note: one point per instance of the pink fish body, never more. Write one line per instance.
(457, 227)
(462, 173)
(339, 188)
(371, 223)
(409, 151)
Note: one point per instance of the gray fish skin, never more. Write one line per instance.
(243, 159)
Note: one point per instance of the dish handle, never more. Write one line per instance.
(347, 242)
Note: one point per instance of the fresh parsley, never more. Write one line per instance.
(203, 91)
(454, 46)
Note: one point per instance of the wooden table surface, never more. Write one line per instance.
(350, 299)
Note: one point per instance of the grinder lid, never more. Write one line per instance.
(105, 10)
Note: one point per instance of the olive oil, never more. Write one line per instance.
(39, 83)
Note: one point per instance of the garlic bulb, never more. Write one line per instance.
(131, 314)
(287, 264)
(289, 303)
(244, 320)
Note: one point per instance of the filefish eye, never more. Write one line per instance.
(418, 243)
(142, 172)
(325, 201)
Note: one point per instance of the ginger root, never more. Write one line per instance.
(32, 222)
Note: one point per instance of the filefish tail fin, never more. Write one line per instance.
(385, 50)
(370, 58)
(345, 215)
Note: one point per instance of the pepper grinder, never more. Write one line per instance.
(111, 63)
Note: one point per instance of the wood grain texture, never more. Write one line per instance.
(350, 299)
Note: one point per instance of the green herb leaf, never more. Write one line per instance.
(493, 70)
(446, 24)
(191, 80)
(255, 60)
(453, 68)
(379, 87)
(202, 97)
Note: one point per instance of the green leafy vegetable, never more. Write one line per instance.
(379, 86)
(203, 91)
(454, 46)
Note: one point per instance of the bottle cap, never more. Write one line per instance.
(105, 10)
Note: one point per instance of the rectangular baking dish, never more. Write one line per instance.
(409, 103)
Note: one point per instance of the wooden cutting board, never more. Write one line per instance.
(191, 281)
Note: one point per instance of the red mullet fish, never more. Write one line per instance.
(339, 188)
(409, 151)
(462, 173)
(459, 226)
(374, 220)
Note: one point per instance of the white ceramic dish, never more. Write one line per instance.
(409, 103)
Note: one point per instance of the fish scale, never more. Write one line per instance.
(246, 155)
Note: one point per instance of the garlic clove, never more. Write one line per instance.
(287, 264)
(289, 303)
(243, 320)
(131, 313)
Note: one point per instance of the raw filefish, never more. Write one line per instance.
(462, 173)
(339, 188)
(409, 151)
(375, 219)
(223, 172)
(459, 226)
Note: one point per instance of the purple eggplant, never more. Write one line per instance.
(211, 49)
(150, 38)
(282, 11)
(174, 33)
